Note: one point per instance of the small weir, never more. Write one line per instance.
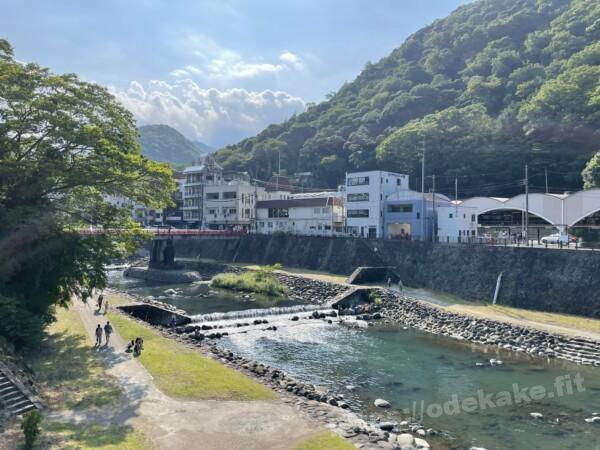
(251, 313)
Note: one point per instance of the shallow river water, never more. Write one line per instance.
(428, 377)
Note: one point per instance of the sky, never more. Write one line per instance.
(216, 70)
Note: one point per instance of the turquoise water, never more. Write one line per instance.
(191, 298)
(416, 372)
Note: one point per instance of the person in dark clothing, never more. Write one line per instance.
(138, 347)
(108, 329)
(98, 335)
(100, 300)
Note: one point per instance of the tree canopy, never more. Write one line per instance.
(66, 148)
(494, 86)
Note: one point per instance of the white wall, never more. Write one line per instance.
(456, 222)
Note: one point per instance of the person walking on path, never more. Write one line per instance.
(100, 300)
(98, 336)
(106, 307)
(108, 329)
(389, 282)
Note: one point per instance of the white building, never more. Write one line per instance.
(456, 223)
(230, 205)
(365, 195)
(318, 214)
(196, 178)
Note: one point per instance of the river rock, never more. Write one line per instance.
(595, 419)
(406, 441)
(536, 415)
(381, 403)
(421, 444)
(387, 426)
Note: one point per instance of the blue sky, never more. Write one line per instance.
(216, 70)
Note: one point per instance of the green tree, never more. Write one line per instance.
(66, 148)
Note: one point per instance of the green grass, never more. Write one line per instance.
(69, 371)
(261, 281)
(184, 373)
(324, 440)
(87, 437)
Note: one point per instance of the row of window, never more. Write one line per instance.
(311, 227)
(363, 181)
(226, 195)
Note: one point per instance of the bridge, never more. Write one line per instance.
(169, 232)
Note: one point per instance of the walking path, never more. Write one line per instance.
(174, 424)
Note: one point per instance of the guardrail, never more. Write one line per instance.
(169, 232)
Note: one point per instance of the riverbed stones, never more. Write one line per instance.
(381, 403)
(536, 415)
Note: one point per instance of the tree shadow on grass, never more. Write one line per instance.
(74, 374)
(74, 436)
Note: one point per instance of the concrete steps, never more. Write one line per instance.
(15, 399)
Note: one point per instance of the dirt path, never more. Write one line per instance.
(176, 424)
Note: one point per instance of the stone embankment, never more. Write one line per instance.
(308, 290)
(163, 276)
(397, 308)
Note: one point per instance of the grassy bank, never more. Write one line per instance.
(260, 281)
(183, 373)
(324, 440)
(73, 378)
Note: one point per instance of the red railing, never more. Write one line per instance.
(170, 232)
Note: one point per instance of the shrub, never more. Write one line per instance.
(31, 427)
(261, 281)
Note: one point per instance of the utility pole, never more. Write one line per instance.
(546, 173)
(455, 195)
(434, 231)
(423, 194)
(526, 201)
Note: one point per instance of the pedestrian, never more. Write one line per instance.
(98, 335)
(389, 282)
(400, 286)
(105, 306)
(108, 329)
(100, 300)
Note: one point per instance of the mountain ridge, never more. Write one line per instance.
(494, 86)
(164, 143)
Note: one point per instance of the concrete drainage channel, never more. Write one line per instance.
(15, 398)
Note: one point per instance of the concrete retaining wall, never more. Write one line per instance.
(547, 280)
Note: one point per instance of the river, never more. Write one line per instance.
(423, 375)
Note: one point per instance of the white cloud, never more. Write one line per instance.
(214, 116)
(214, 62)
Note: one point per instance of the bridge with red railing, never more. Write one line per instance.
(167, 232)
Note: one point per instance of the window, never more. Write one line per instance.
(212, 196)
(212, 211)
(358, 213)
(406, 208)
(360, 197)
(328, 227)
(278, 212)
(233, 211)
(398, 182)
(450, 216)
(270, 224)
(229, 195)
(247, 212)
(316, 210)
(473, 218)
(261, 224)
(358, 181)
(418, 215)
(326, 210)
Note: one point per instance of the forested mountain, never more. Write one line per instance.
(495, 85)
(166, 144)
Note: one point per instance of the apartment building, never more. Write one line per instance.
(317, 214)
(231, 205)
(365, 194)
(197, 177)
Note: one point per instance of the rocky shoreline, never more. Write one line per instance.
(404, 310)
(390, 307)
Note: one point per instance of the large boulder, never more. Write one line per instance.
(381, 403)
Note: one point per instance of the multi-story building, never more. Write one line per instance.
(411, 215)
(456, 223)
(197, 177)
(231, 205)
(173, 215)
(365, 194)
(320, 214)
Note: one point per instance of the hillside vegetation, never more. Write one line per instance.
(165, 144)
(495, 85)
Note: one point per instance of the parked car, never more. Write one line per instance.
(557, 237)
